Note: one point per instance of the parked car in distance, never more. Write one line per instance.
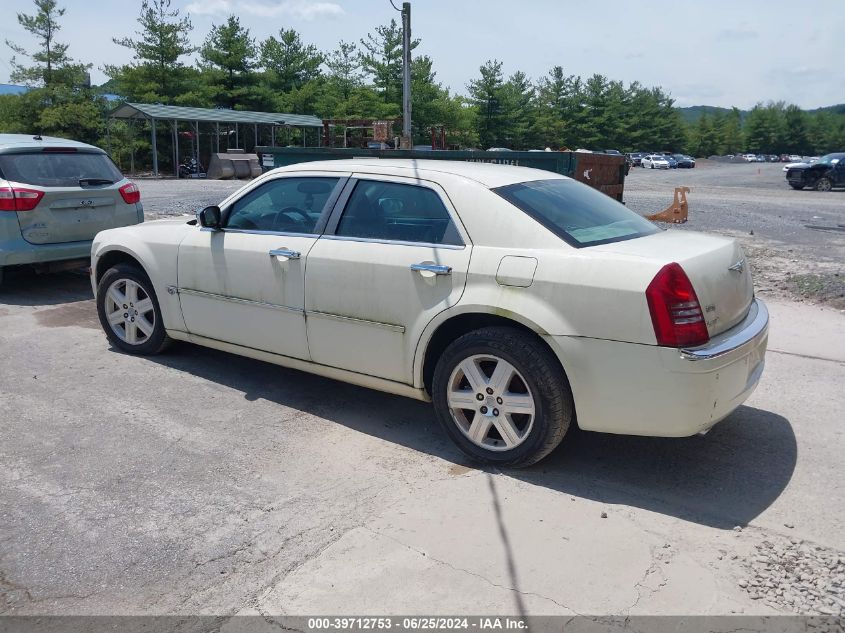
(635, 158)
(684, 161)
(825, 174)
(499, 149)
(750, 158)
(55, 196)
(442, 281)
(654, 161)
(673, 164)
(794, 158)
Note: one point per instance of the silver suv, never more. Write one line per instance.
(55, 196)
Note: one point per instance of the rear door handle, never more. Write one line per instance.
(286, 253)
(437, 269)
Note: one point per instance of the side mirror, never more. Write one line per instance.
(210, 218)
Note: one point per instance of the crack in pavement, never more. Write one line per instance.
(472, 573)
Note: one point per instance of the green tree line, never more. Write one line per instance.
(363, 79)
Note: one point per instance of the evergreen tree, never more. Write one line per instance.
(486, 95)
(517, 95)
(289, 62)
(381, 59)
(229, 56)
(344, 64)
(60, 102)
(157, 73)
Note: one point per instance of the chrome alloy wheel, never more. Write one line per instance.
(490, 402)
(130, 312)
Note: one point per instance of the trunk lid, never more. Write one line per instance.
(716, 267)
(75, 214)
(81, 194)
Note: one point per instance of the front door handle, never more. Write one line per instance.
(437, 269)
(286, 253)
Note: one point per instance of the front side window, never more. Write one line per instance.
(283, 205)
(397, 212)
(578, 214)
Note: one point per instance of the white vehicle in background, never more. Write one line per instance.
(655, 161)
(518, 301)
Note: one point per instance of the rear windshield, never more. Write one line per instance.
(46, 169)
(578, 214)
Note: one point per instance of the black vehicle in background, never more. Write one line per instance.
(684, 161)
(635, 158)
(823, 175)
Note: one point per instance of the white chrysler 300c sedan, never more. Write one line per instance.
(519, 301)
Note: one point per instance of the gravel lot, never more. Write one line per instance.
(749, 201)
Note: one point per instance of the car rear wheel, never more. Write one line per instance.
(501, 396)
(129, 312)
(824, 184)
(797, 187)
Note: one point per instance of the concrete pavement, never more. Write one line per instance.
(200, 482)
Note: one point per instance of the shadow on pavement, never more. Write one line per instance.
(723, 479)
(24, 287)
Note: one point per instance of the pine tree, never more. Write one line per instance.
(381, 59)
(229, 57)
(290, 63)
(344, 64)
(486, 94)
(158, 73)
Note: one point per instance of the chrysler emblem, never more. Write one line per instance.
(737, 268)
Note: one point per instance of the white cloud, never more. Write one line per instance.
(302, 9)
(210, 7)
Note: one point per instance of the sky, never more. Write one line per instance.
(705, 52)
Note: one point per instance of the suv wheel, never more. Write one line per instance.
(129, 311)
(501, 396)
(823, 184)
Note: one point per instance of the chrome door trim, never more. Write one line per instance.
(370, 240)
(339, 317)
(260, 304)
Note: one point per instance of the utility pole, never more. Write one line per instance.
(407, 141)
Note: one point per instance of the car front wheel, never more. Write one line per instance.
(129, 312)
(824, 184)
(501, 396)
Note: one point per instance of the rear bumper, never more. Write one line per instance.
(16, 252)
(649, 390)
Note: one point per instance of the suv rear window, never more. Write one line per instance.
(578, 214)
(59, 169)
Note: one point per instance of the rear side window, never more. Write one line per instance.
(60, 169)
(578, 214)
(396, 212)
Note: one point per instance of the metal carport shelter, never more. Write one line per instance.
(154, 112)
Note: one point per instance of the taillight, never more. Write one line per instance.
(675, 311)
(19, 199)
(130, 193)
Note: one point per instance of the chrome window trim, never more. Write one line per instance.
(371, 240)
(283, 233)
(749, 329)
(339, 317)
(261, 304)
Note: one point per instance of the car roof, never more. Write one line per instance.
(487, 174)
(8, 141)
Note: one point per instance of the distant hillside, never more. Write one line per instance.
(692, 114)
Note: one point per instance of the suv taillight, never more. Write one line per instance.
(675, 311)
(130, 193)
(19, 199)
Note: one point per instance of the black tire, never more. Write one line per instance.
(157, 341)
(543, 377)
(823, 184)
(796, 187)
